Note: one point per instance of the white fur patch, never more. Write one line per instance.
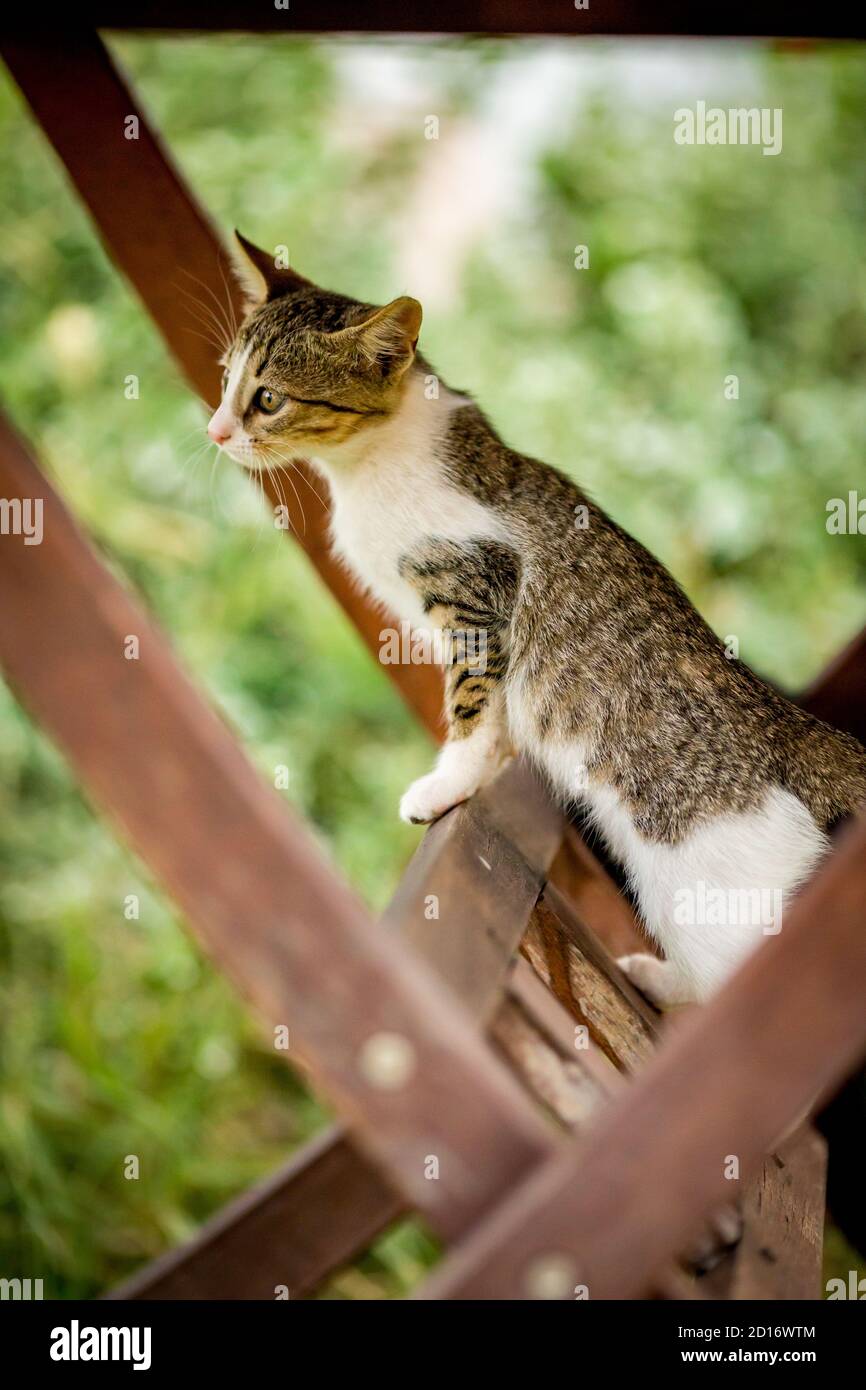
(714, 897)
(388, 495)
(461, 768)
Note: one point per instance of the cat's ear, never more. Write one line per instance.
(389, 337)
(261, 277)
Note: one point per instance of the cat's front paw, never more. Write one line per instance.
(431, 796)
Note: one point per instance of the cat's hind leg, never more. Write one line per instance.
(661, 981)
(713, 898)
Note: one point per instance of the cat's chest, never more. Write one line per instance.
(380, 517)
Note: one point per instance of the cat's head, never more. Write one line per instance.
(309, 370)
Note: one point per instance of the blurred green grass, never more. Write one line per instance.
(116, 1036)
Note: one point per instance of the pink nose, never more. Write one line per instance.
(218, 433)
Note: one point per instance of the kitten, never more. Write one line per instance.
(578, 648)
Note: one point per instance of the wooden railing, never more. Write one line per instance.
(481, 1060)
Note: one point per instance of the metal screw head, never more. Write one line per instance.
(386, 1061)
(553, 1275)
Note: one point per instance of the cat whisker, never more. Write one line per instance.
(233, 318)
(272, 453)
(207, 319)
(288, 460)
(224, 318)
(206, 337)
(209, 322)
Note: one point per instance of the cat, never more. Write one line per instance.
(713, 791)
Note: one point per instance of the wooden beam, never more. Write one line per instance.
(594, 895)
(576, 967)
(397, 1055)
(304, 1223)
(291, 1230)
(165, 245)
(794, 20)
(425, 697)
(780, 1255)
(838, 696)
(480, 870)
(725, 1082)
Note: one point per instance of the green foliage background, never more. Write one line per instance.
(117, 1037)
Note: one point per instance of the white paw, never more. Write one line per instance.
(658, 979)
(639, 968)
(646, 973)
(431, 796)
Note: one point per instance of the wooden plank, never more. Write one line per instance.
(576, 967)
(795, 20)
(838, 696)
(554, 1023)
(573, 1084)
(726, 1081)
(291, 1230)
(480, 869)
(338, 1206)
(400, 1059)
(538, 1038)
(160, 238)
(581, 877)
(780, 1254)
(329, 1202)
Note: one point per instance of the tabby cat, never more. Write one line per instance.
(714, 792)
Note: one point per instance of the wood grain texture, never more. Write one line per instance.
(780, 1255)
(538, 1039)
(726, 1080)
(315, 1214)
(538, 1036)
(329, 1202)
(581, 877)
(480, 869)
(576, 967)
(250, 879)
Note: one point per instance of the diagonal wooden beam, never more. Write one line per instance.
(155, 231)
(87, 86)
(329, 1202)
(161, 239)
(725, 1083)
(399, 1058)
(314, 1215)
(838, 696)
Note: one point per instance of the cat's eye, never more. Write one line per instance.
(267, 400)
(225, 379)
